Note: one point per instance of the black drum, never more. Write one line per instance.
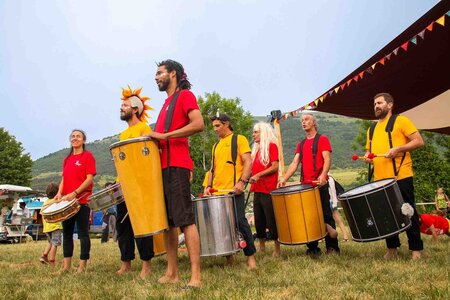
(373, 210)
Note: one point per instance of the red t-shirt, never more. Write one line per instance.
(179, 147)
(265, 184)
(440, 224)
(75, 171)
(307, 162)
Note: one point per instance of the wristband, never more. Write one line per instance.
(242, 180)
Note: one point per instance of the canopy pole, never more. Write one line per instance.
(276, 116)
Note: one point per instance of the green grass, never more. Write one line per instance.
(358, 273)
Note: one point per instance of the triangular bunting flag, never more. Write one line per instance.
(336, 90)
(356, 78)
(325, 96)
(316, 102)
(388, 57)
(369, 70)
(422, 34)
(361, 75)
(441, 20)
(405, 46)
(414, 40)
(373, 66)
(395, 51)
(430, 27)
(321, 98)
(343, 86)
(349, 81)
(330, 92)
(381, 61)
(448, 13)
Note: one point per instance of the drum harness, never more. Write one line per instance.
(388, 129)
(314, 153)
(233, 162)
(167, 123)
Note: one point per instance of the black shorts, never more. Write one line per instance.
(177, 195)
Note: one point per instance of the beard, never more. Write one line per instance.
(126, 115)
(164, 85)
(382, 113)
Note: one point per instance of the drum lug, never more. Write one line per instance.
(122, 155)
(145, 151)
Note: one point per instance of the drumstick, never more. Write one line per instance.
(126, 215)
(369, 156)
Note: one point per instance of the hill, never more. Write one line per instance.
(341, 131)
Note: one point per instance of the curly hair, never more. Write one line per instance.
(182, 79)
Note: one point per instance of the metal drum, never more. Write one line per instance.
(60, 211)
(216, 222)
(298, 214)
(106, 198)
(373, 210)
(138, 165)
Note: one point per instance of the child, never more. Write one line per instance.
(52, 230)
(434, 225)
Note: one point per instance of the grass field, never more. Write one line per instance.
(358, 273)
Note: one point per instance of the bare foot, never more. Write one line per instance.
(124, 268)
(331, 232)
(391, 254)
(81, 270)
(194, 284)
(415, 255)
(262, 249)
(168, 279)
(62, 271)
(276, 254)
(251, 262)
(146, 269)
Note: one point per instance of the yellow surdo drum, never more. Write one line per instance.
(138, 165)
(298, 214)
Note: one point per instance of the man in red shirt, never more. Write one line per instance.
(434, 225)
(179, 118)
(315, 167)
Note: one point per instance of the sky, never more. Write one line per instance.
(63, 63)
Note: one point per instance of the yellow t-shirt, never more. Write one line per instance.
(134, 131)
(224, 171)
(49, 227)
(383, 168)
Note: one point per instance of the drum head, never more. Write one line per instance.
(56, 207)
(369, 187)
(292, 189)
(130, 141)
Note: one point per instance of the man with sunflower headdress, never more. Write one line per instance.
(133, 111)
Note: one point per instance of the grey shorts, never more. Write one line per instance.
(54, 237)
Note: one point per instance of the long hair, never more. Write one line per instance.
(182, 79)
(71, 148)
(266, 137)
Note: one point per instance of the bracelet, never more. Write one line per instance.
(242, 180)
(76, 193)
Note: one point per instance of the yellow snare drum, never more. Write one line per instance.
(298, 214)
(138, 166)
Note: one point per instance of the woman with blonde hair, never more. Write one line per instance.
(264, 180)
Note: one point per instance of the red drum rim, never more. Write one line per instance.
(70, 203)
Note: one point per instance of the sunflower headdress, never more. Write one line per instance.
(137, 101)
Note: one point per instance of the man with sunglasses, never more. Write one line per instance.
(229, 174)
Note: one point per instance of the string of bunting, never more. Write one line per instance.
(340, 88)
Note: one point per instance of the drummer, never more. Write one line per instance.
(314, 169)
(133, 111)
(397, 163)
(226, 176)
(76, 183)
(264, 180)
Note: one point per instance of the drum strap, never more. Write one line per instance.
(389, 128)
(168, 122)
(314, 153)
(233, 157)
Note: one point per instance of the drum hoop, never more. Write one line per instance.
(375, 190)
(115, 187)
(213, 197)
(59, 210)
(130, 141)
(275, 193)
